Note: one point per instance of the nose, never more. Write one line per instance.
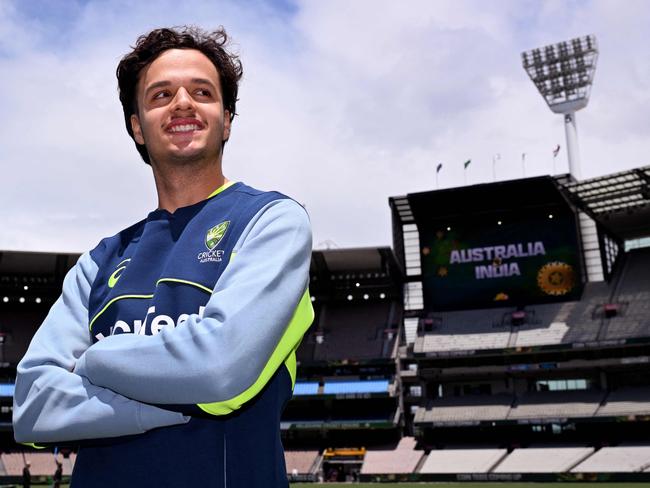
(182, 100)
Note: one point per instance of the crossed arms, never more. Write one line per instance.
(68, 388)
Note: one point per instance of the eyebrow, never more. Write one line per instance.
(164, 83)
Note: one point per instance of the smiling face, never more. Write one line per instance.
(180, 116)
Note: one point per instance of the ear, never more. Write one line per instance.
(137, 129)
(226, 125)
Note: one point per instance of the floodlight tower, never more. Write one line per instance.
(563, 74)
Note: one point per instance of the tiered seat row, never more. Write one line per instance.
(622, 459)
(467, 408)
(543, 460)
(552, 324)
(403, 459)
(626, 401)
(300, 461)
(552, 404)
(462, 460)
(556, 404)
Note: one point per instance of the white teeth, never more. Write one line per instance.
(184, 128)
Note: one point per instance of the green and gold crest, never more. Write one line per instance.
(214, 235)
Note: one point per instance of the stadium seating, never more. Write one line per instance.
(462, 460)
(301, 461)
(465, 409)
(547, 325)
(557, 404)
(42, 463)
(466, 330)
(626, 401)
(352, 331)
(22, 326)
(403, 459)
(616, 459)
(632, 289)
(583, 326)
(543, 460)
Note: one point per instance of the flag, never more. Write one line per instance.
(556, 151)
(438, 168)
(466, 164)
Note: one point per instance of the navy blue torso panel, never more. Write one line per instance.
(152, 276)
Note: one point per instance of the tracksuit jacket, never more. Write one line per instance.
(170, 355)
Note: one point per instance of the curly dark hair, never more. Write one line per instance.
(149, 46)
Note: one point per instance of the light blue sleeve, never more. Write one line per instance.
(218, 356)
(53, 404)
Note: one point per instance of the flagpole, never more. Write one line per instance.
(465, 165)
(494, 165)
(523, 163)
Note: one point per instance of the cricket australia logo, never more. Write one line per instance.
(212, 239)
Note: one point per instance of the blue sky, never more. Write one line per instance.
(343, 104)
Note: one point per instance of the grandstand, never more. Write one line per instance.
(420, 368)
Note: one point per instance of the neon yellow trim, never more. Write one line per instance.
(186, 282)
(125, 261)
(292, 367)
(232, 255)
(221, 188)
(31, 444)
(302, 318)
(90, 326)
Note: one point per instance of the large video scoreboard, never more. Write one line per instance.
(512, 243)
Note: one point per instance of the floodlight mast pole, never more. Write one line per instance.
(573, 151)
(563, 74)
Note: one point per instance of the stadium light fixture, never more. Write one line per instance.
(38, 300)
(5, 299)
(21, 299)
(563, 74)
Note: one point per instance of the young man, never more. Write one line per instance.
(171, 352)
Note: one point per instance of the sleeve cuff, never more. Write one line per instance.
(150, 417)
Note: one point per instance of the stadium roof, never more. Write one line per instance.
(35, 263)
(620, 202)
(356, 260)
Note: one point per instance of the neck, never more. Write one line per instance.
(183, 185)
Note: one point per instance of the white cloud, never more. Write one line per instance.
(343, 104)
